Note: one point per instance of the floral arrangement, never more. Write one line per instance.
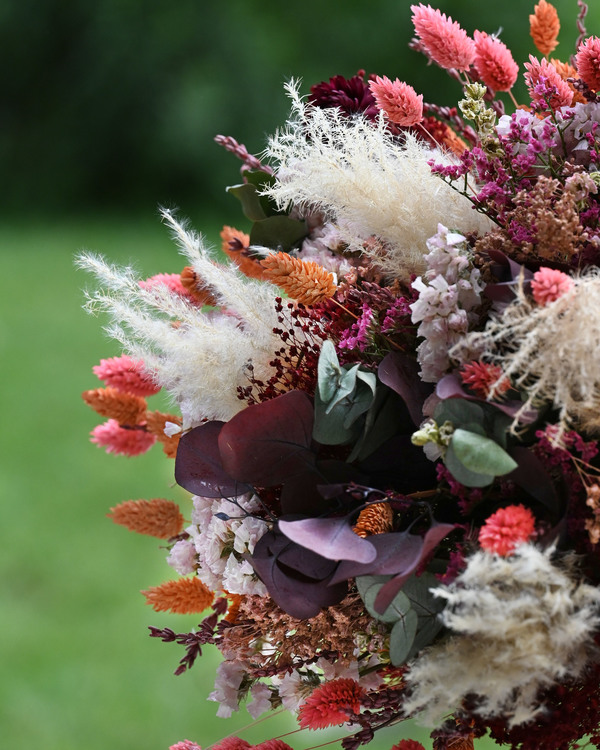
(388, 406)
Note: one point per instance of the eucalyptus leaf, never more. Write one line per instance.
(278, 232)
(345, 387)
(481, 454)
(328, 371)
(402, 638)
(459, 411)
(250, 199)
(427, 629)
(463, 475)
(364, 583)
(394, 612)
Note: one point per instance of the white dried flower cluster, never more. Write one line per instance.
(366, 183)
(188, 359)
(449, 291)
(220, 544)
(551, 350)
(519, 624)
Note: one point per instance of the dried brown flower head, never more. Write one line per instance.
(544, 26)
(155, 424)
(125, 408)
(157, 517)
(303, 280)
(375, 519)
(183, 596)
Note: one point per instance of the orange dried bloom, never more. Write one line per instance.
(183, 596)
(397, 100)
(544, 27)
(302, 280)
(588, 62)
(235, 245)
(157, 517)
(125, 408)
(155, 424)
(565, 71)
(331, 703)
(235, 602)
(191, 282)
(494, 62)
(374, 519)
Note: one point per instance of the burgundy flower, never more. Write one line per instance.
(351, 95)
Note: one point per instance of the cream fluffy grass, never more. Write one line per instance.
(201, 359)
(353, 171)
(518, 624)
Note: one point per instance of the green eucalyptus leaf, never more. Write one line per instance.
(481, 454)
(402, 637)
(427, 629)
(364, 583)
(385, 414)
(278, 232)
(345, 387)
(463, 475)
(329, 426)
(262, 180)
(459, 411)
(248, 196)
(360, 402)
(329, 372)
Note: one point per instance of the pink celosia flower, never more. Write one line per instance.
(185, 745)
(398, 100)
(481, 376)
(331, 703)
(536, 71)
(588, 62)
(170, 280)
(494, 62)
(272, 745)
(506, 528)
(548, 285)
(444, 40)
(408, 745)
(126, 374)
(121, 441)
(232, 743)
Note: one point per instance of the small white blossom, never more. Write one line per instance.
(182, 557)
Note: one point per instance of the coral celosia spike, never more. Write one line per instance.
(272, 745)
(544, 26)
(155, 424)
(397, 100)
(232, 743)
(375, 519)
(122, 441)
(494, 62)
(126, 374)
(538, 71)
(444, 40)
(506, 528)
(410, 745)
(185, 745)
(303, 280)
(331, 703)
(182, 596)
(588, 62)
(125, 408)
(157, 517)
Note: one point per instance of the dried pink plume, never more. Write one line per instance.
(548, 285)
(397, 100)
(127, 375)
(536, 71)
(588, 62)
(506, 528)
(444, 40)
(121, 441)
(494, 62)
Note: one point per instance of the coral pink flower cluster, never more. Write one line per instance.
(588, 62)
(544, 72)
(482, 377)
(127, 375)
(234, 743)
(445, 41)
(507, 528)
(331, 703)
(548, 284)
(494, 63)
(122, 441)
(398, 101)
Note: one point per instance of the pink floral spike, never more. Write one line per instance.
(170, 280)
(536, 71)
(232, 743)
(588, 62)
(494, 62)
(185, 745)
(121, 441)
(506, 528)
(444, 40)
(272, 745)
(127, 375)
(397, 100)
(548, 285)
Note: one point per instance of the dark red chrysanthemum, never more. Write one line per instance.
(330, 704)
(351, 95)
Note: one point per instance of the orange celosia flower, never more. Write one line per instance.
(125, 408)
(157, 517)
(588, 62)
(565, 71)
(374, 519)
(155, 424)
(397, 100)
(544, 26)
(444, 40)
(494, 63)
(183, 596)
(506, 528)
(235, 245)
(331, 703)
(302, 280)
(199, 294)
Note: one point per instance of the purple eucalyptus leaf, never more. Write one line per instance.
(401, 465)
(269, 443)
(401, 373)
(198, 466)
(307, 562)
(333, 537)
(531, 476)
(432, 538)
(450, 386)
(508, 272)
(310, 492)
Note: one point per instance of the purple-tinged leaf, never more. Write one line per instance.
(198, 466)
(432, 538)
(269, 443)
(450, 386)
(531, 476)
(509, 273)
(401, 373)
(309, 493)
(333, 537)
(307, 562)
(401, 465)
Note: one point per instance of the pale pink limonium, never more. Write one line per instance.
(588, 62)
(120, 441)
(548, 284)
(445, 41)
(398, 101)
(494, 62)
(127, 375)
(536, 71)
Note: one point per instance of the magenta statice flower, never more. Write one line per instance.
(358, 336)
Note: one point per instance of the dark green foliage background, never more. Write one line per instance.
(108, 108)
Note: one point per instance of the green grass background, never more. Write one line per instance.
(77, 666)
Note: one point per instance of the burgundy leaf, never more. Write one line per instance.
(198, 466)
(333, 537)
(531, 475)
(450, 386)
(432, 538)
(309, 492)
(401, 373)
(269, 443)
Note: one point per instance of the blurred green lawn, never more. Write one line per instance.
(78, 668)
